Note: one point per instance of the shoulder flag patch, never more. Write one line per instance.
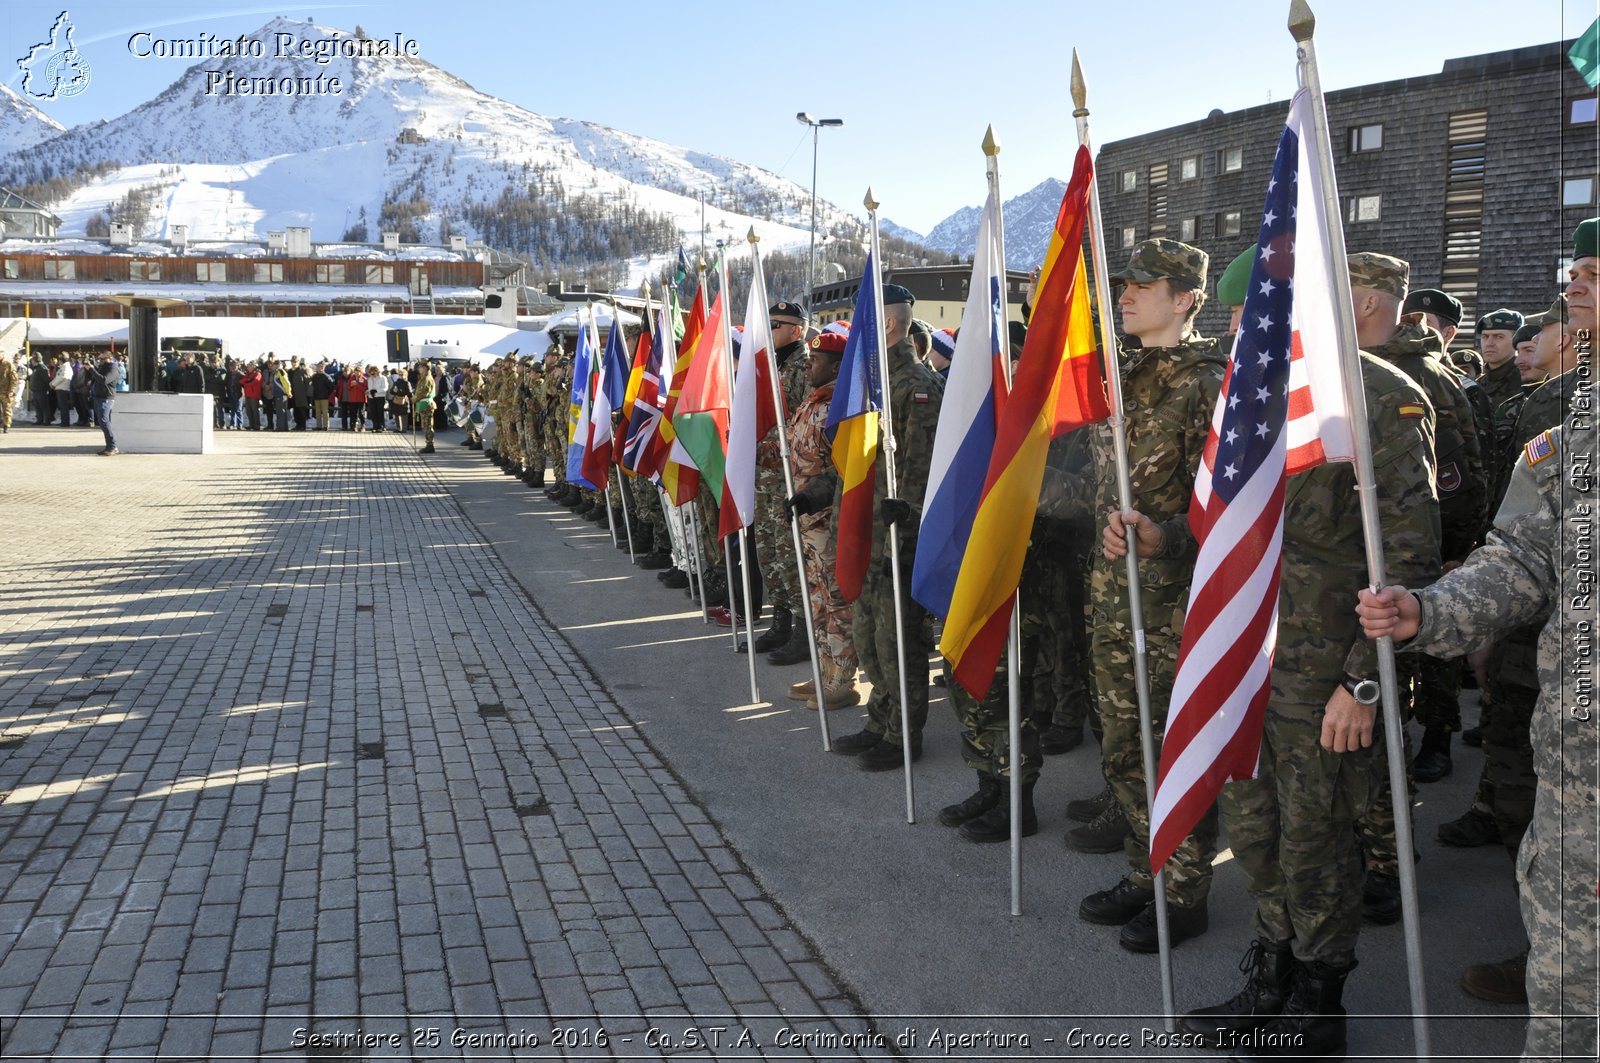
(1539, 448)
(1412, 409)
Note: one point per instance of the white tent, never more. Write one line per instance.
(575, 316)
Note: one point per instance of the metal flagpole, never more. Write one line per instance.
(596, 352)
(804, 605)
(722, 544)
(616, 446)
(892, 532)
(744, 540)
(1119, 430)
(991, 151)
(1302, 26)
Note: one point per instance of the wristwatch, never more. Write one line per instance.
(1365, 691)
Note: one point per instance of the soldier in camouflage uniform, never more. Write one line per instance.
(1538, 561)
(785, 641)
(1496, 330)
(557, 388)
(815, 483)
(1169, 390)
(915, 393)
(1055, 615)
(531, 399)
(1292, 828)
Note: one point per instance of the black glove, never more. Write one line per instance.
(893, 511)
(798, 506)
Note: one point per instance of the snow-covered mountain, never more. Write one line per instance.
(404, 133)
(21, 123)
(1030, 219)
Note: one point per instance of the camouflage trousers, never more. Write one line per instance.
(532, 456)
(1507, 785)
(986, 731)
(507, 440)
(774, 544)
(1055, 640)
(831, 615)
(1292, 829)
(1556, 875)
(1188, 872)
(555, 451)
(647, 513)
(873, 631)
(1436, 700)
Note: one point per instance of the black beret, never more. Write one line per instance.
(1433, 301)
(1526, 333)
(788, 309)
(894, 293)
(1509, 320)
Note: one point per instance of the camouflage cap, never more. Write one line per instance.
(1234, 283)
(1381, 273)
(1509, 320)
(1442, 305)
(1585, 237)
(1160, 258)
(1556, 315)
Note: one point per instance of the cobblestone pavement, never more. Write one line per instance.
(289, 764)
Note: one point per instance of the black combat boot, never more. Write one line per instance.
(1268, 968)
(1103, 834)
(995, 824)
(1311, 1024)
(777, 633)
(795, 649)
(1059, 738)
(1087, 809)
(977, 804)
(1380, 898)
(1433, 759)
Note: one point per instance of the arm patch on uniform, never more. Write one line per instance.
(1412, 409)
(1449, 479)
(1538, 448)
(919, 397)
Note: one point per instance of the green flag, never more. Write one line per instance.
(1585, 55)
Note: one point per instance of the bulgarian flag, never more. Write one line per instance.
(853, 428)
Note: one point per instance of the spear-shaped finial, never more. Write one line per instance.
(871, 201)
(644, 289)
(1080, 91)
(1302, 23)
(700, 264)
(752, 237)
(991, 146)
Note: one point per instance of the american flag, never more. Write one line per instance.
(1279, 412)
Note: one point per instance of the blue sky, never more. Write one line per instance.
(916, 83)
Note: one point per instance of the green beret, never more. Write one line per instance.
(1433, 301)
(1173, 260)
(1382, 273)
(919, 325)
(894, 293)
(1584, 238)
(1235, 280)
(1509, 320)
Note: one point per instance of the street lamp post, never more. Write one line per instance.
(811, 259)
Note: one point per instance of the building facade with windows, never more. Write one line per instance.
(1476, 175)
(940, 291)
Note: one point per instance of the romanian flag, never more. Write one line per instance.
(1058, 386)
(853, 428)
(701, 416)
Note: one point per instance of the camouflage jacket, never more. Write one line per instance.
(1169, 395)
(1501, 382)
(915, 393)
(1461, 482)
(1319, 636)
(1538, 561)
(811, 453)
(792, 383)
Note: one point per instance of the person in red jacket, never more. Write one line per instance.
(352, 398)
(250, 384)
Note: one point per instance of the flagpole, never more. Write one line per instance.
(788, 491)
(1119, 432)
(892, 531)
(588, 390)
(1302, 26)
(744, 540)
(991, 151)
(616, 443)
(693, 520)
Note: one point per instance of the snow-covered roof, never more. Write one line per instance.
(231, 249)
(573, 317)
(266, 293)
(69, 330)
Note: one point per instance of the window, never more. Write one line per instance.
(141, 270)
(1577, 191)
(380, 274)
(330, 272)
(1232, 160)
(1186, 229)
(1127, 236)
(1363, 208)
(212, 272)
(1366, 138)
(12, 269)
(1189, 169)
(269, 272)
(1583, 111)
(60, 269)
(1228, 223)
(1130, 180)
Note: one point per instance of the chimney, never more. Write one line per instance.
(391, 241)
(180, 236)
(298, 241)
(121, 234)
(276, 240)
(458, 243)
